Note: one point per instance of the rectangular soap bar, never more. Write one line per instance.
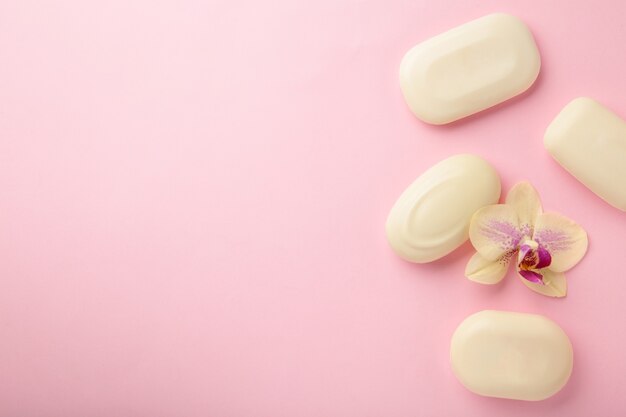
(589, 141)
(469, 68)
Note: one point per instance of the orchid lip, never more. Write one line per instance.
(531, 276)
(545, 259)
(533, 256)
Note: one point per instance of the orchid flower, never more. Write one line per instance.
(544, 245)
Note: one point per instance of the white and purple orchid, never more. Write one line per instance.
(546, 244)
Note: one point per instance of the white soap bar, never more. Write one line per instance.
(469, 68)
(431, 218)
(589, 141)
(511, 355)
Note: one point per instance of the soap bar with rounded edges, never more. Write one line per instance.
(589, 141)
(431, 218)
(469, 68)
(511, 355)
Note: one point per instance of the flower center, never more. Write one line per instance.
(531, 257)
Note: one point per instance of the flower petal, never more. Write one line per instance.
(494, 231)
(484, 271)
(562, 238)
(525, 200)
(554, 285)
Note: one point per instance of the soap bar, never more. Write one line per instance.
(431, 218)
(589, 141)
(469, 68)
(511, 355)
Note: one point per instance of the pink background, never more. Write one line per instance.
(193, 198)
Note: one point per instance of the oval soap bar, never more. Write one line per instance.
(589, 141)
(469, 68)
(432, 216)
(511, 355)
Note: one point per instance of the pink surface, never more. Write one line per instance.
(194, 197)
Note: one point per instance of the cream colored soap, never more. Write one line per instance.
(511, 355)
(431, 218)
(589, 141)
(469, 68)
